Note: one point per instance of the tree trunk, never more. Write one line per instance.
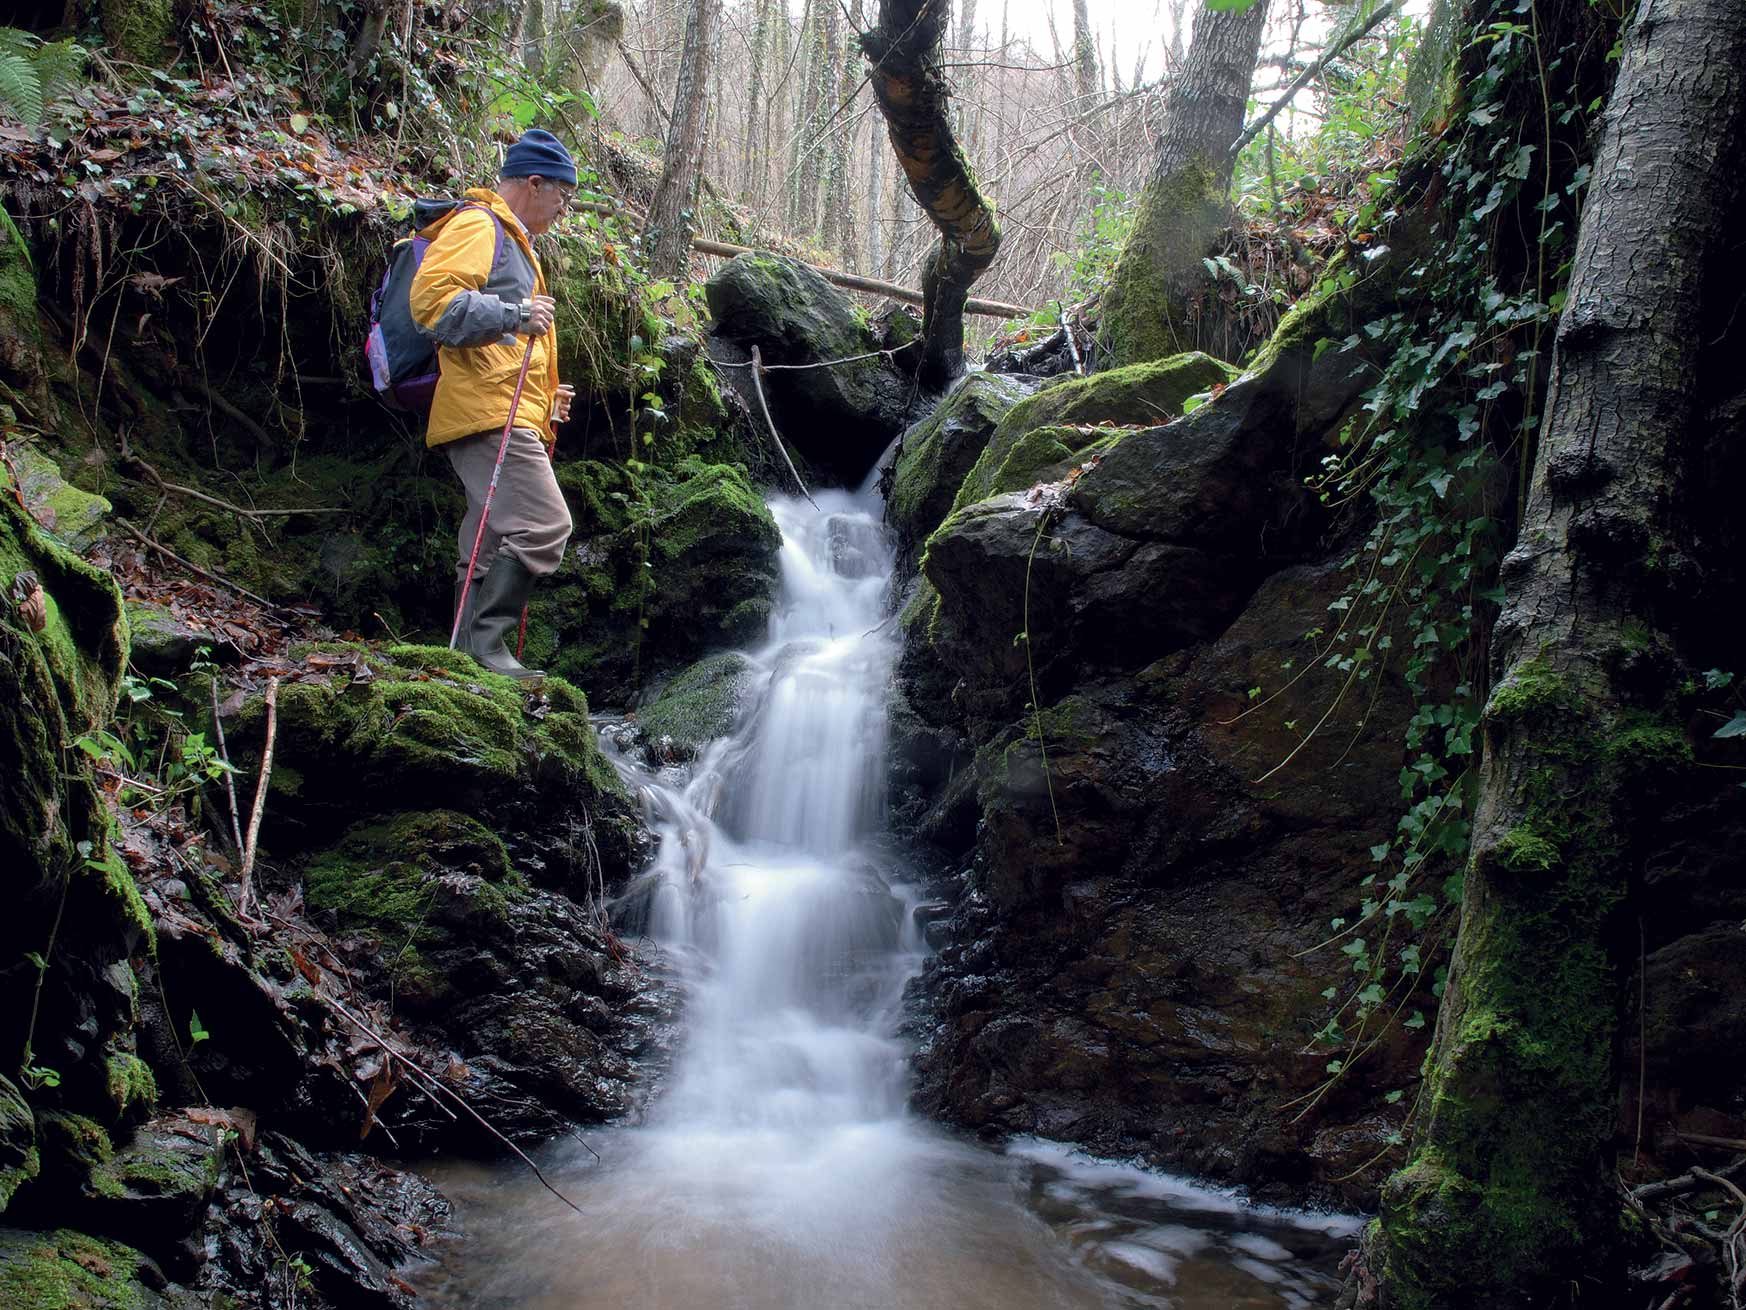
(839, 212)
(667, 234)
(1084, 57)
(912, 93)
(1508, 1201)
(1185, 203)
(750, 159)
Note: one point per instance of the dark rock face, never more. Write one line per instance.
(1122, 966)
(839, 418)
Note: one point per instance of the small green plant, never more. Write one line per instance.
(33, 72)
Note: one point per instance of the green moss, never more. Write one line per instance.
(1521, 850)
(1507, 1194)
(1046, 433)
(1144, 315)
(139, 30)
(73, 1143)
(66, 1270)
(129, 1083)
(701, 704)
(943, 448)
(1532, 693)
(386, 873)
(20, 1161)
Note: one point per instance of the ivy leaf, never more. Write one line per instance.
(1734, 727)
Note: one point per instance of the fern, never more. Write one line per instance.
(32, 73)
(20, 88)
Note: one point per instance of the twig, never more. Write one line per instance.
(157, 480)
(1072, 345)
(1304, 78)
(192, 568)
(248, 859)
(758, 385)
(429, 1081)
(229, 773)
(234, 414)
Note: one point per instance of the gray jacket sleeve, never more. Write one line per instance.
(474, 318)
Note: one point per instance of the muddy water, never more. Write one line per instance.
(778, 1169)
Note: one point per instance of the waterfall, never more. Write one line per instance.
(799, 944)
(778, 1169)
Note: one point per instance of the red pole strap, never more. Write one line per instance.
(490, 491)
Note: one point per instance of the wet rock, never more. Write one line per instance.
(839, 418)
(316, 1231)
(701, 704)
(153, 1189)
(520, 982)
(940, 451)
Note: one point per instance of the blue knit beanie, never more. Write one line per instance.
(539, 154)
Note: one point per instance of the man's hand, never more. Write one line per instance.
(539, 320)
(562, 401)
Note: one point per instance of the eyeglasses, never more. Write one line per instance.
(567, 192)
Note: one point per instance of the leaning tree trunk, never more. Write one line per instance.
(1084, 57)
(667, 233)
(1507, 1201)
(911, 88)
(1186, 200)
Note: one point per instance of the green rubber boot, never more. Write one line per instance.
(494, 612)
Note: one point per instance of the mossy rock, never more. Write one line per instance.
(1138, 396)
(940, 450)
(840, 418)
(19, 1158)
(701, 704)
(153, 1187)
(608, 623)
(67, 1270)
(430, 889)
(139, 30)
(74, 516)
(57, 686)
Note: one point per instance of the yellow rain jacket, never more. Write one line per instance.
(472, 311)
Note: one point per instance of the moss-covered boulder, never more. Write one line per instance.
(682, 563)
(1040, 438)
(840, 417)
(521, 981)
(369, 732)
(940, 450)
(65, 1270)
(151, 1190)
(62, 652)
(428, 886)
(75, 516)
(701, 704)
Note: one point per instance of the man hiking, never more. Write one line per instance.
(479, 290)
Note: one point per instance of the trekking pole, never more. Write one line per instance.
(490, 491)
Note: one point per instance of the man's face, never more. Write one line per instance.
(550, 198)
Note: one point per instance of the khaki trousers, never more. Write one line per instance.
(529, 518)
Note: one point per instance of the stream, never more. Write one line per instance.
(778, 1168)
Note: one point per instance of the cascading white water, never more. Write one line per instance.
(778, 1170)
(759, 879)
